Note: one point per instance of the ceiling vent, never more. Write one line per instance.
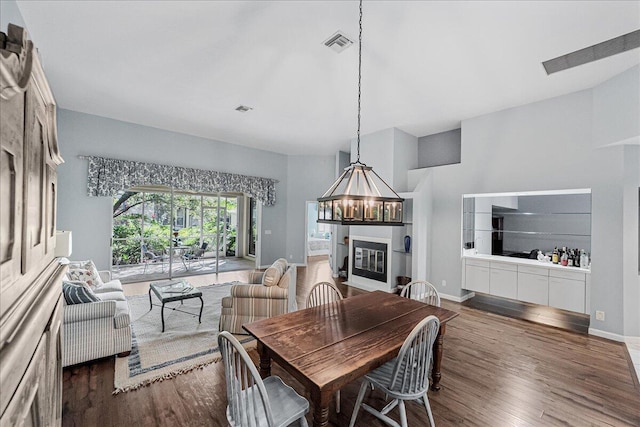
(243, 108)
(598, 51)
(338, 42)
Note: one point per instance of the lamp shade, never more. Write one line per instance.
(63, 244)
(360, 197)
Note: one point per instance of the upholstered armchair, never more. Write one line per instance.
(268, 294)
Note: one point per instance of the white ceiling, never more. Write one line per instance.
(186, 65)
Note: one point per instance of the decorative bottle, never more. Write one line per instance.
(407, 243)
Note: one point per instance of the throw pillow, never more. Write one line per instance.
(75, 293)
(271, 276)
(85, 271)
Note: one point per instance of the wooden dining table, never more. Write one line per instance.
(329, 346)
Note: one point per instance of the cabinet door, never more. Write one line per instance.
(11, 176)
(27, 406)
(477, 278)
(567, 294)
(533, 288)
(504, 283)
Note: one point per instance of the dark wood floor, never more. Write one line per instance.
(497, 371)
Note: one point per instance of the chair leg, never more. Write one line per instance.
(426, 405)
(403, 413)
(338, 402)
(359, 400)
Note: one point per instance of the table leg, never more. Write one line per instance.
(201, 306)
(437, 359)
(265, 361)
(162, 316)
(321, 401)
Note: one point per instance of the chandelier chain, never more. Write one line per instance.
(359, 77)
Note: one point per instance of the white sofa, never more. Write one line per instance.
(97, 329)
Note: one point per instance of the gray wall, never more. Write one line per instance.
(90, 217)
(308, 177)
(9, 13)
(541, 146)
(439, 149)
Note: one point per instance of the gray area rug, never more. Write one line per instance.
(185, 344)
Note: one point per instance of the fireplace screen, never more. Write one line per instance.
(370, 260)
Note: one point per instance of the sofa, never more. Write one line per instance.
(268, 293)
(93, 330)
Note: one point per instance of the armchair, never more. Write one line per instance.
(268, 294)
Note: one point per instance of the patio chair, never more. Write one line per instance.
(404, 378)
(254, 402)
(423, 291)
(197, 254)
(324, 293)
(148, 256)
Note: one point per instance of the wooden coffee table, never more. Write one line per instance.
(174, 290)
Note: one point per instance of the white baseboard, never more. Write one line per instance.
(632, 341)
(458, 299)
(607, 335)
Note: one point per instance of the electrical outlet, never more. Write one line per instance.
(444, 283)
(600, 315)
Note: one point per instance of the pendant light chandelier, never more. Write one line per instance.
(359, 196)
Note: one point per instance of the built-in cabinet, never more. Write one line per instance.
(30, 306)
(560, 287)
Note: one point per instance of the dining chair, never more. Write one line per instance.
(404, 378)
(323, 293)
(252, 401)
(423, 291)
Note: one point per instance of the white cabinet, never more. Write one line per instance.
(533, 287)
(563, 288)
(567, 290)
(477, 276)
(504, 280)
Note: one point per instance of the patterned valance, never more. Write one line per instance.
(109, 176)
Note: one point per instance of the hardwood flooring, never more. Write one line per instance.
(496, 371)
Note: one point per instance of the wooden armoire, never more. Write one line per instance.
(30, 275)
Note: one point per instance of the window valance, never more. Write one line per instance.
(109, 176)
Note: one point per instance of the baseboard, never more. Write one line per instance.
(607, 335)
(457, 299)
(634, 341)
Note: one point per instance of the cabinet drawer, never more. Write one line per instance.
(477, 262)
(504, 266)
(540, 271)
(567, 274)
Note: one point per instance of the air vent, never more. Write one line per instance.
(338, 42)
(243, 108)
(598, 51)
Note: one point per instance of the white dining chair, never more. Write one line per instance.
(324, 293)
(252, 401)
(423, 291)
(404, 378)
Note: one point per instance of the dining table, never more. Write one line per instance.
(329, 346)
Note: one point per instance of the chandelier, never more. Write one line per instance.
(359, 196)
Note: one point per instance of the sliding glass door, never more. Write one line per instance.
(163, 234)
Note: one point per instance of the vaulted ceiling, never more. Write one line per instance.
(186, 65)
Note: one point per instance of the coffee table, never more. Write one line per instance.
(174, 290)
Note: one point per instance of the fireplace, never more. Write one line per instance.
(369, 260)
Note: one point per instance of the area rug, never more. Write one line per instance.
(185, 344)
